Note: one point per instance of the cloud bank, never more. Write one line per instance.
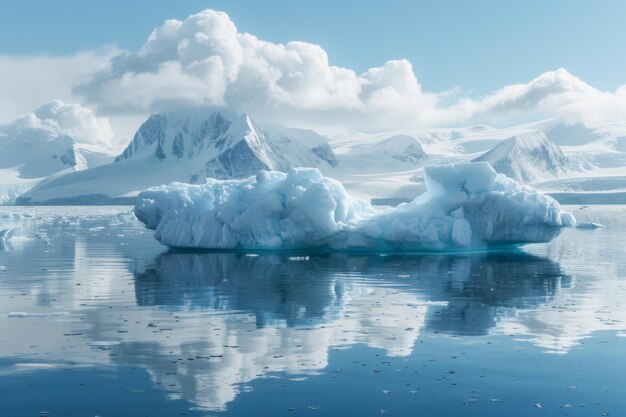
(205, 60)
(60, 118)
(26, 81)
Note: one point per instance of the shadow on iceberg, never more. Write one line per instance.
(467, 205)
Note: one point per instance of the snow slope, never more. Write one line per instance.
(223, 144)
(528, 157)
(30, 154)
(187, 146)
(467, 205)
(551, 155)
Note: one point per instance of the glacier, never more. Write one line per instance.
(467, 205)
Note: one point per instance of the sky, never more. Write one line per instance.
(461, 54)
(477, 45)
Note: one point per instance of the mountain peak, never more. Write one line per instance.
(527, 157)
(219, 143)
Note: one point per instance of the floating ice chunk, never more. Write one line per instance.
(588, 225)
(103, 344)
(273, 210)
(21, 314)
(36, 365)
(466, 205)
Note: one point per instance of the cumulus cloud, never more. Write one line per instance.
(552, 94)
(60, 118)
(205, 60)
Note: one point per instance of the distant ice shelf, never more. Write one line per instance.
(467, 205)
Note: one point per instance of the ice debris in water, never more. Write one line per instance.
(103, 344)
(466, 205)
(588, 225)
(21, 314)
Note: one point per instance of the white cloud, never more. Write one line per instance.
(205, 60)
(552, 94)
(29, 80)
(60, 118)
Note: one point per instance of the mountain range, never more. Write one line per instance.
(187, 147)
(572, 162)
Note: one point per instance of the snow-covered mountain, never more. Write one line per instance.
(528, 157)
(586, 164)
(404, 148)
(188, 147)
(37, 146)
(221, 144)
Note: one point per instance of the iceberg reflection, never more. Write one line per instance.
(276, 313)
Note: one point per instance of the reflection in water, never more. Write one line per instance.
(206, 325)
(282, 313)
(275, 288)
(493, 285)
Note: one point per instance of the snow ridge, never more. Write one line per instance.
(528, 157)
(189, 146)
(404, 148)
(228, 145)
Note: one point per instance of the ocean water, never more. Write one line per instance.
(98, 319)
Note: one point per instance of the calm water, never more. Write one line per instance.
(98, 319)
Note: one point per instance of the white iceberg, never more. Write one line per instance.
(467, 205)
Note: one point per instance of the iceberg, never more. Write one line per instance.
(467, 205)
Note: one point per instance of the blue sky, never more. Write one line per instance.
(478, 45)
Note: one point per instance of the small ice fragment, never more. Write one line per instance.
(22, 314)
(538, 405)
(35, 365)
(3, 268)
(298, 258)
(102, 344)
(588, 225)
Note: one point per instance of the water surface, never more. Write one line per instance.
(97, 318)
